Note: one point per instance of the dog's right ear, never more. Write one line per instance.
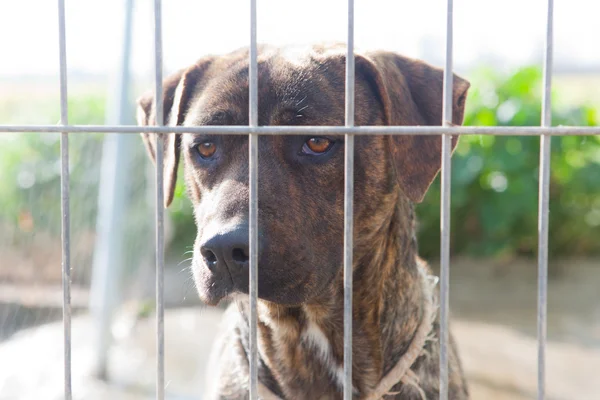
(410, 92)
(178, 90)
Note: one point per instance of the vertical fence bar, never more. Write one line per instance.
(253, 178)
(543, 205)
(445, 207)
(160, 243)
(65, 197)
(348, 205)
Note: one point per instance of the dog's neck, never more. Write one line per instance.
(303, 346)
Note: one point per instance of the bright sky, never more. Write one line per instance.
(507, 30)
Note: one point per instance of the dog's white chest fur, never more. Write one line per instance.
(314, 337)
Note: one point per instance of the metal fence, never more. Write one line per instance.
(545, 131)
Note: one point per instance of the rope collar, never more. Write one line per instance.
(401, 372)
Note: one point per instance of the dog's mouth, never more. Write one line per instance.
(211, 287)
(215, 284)
(280, 280)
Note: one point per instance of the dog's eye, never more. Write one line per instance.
(317, 146)
(206, 149)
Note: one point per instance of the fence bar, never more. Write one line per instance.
(253, 178)
(445, 207)
(160, 242)
(65, 197)
(543, 206)
(348, 205)
(315, 130)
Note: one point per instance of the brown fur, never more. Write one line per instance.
(301, 215)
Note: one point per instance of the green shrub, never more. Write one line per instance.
(30, 170)
(495, 179)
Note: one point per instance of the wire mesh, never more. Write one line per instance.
(545, 131)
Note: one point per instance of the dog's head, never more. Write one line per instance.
(301, 178)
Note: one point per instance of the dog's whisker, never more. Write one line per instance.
(187, 268)
(301, 100)
(182, 261)
(187, 286)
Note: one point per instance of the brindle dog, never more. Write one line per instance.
(301, 197)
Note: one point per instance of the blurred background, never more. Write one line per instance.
(498, 47)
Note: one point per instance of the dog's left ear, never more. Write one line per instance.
(410, 92)
(178, 90)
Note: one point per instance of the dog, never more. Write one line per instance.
(300, 220)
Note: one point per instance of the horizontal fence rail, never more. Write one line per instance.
(315, 130)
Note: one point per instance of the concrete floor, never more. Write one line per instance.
(500, 363)
(494, 309)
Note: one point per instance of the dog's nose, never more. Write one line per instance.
(227, 250)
